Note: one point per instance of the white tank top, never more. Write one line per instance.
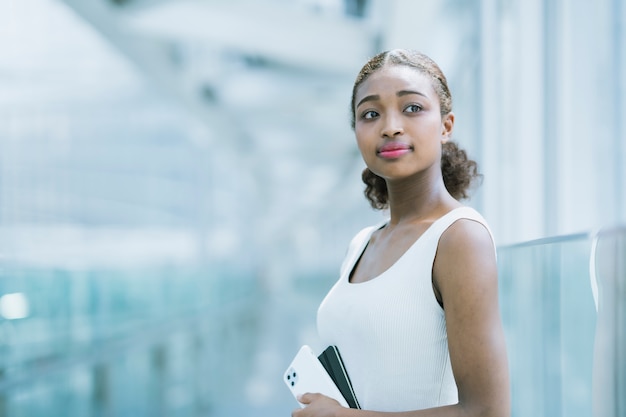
(391, 331)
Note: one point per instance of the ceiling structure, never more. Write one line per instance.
(249, 68)
(270, 81)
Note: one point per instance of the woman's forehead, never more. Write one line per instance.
(391, 78)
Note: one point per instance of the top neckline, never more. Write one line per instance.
(358, 254)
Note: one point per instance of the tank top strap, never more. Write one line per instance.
(357, 246)
(465, 212)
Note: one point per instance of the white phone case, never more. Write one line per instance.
(307, 374)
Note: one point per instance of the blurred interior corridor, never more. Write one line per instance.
(179, 184)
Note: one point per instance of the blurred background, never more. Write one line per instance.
(179, 183)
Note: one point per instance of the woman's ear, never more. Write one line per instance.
(447, 125)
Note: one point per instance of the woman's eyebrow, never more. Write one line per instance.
(373, 97)
(400, 93)
(408, 92)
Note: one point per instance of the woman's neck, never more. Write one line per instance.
(411, 200)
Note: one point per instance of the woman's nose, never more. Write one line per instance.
(392, 126)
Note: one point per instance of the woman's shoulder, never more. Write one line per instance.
(364, 235)
(467, 231)
(462, 227)
(359, 241)
(466, 255)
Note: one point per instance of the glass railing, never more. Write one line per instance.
(608, 270)
(200, 341)
(550, 319)
(173, 341)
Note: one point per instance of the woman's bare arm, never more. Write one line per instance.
(465, 272)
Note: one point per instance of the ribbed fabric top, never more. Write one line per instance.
(391, 331)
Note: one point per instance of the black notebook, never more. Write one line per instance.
(331, 359)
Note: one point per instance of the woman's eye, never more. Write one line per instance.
(412, 108)
(370, 114)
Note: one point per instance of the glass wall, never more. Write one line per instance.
(553, 167)
(519, 72)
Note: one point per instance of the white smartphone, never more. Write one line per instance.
(307, 374)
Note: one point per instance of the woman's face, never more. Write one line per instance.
(398, 123)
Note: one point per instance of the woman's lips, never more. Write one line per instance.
(393, 150)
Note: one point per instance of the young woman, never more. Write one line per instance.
(415, 311)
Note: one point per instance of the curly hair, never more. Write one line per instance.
(459, 172)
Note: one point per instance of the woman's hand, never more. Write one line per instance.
(317, 405)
